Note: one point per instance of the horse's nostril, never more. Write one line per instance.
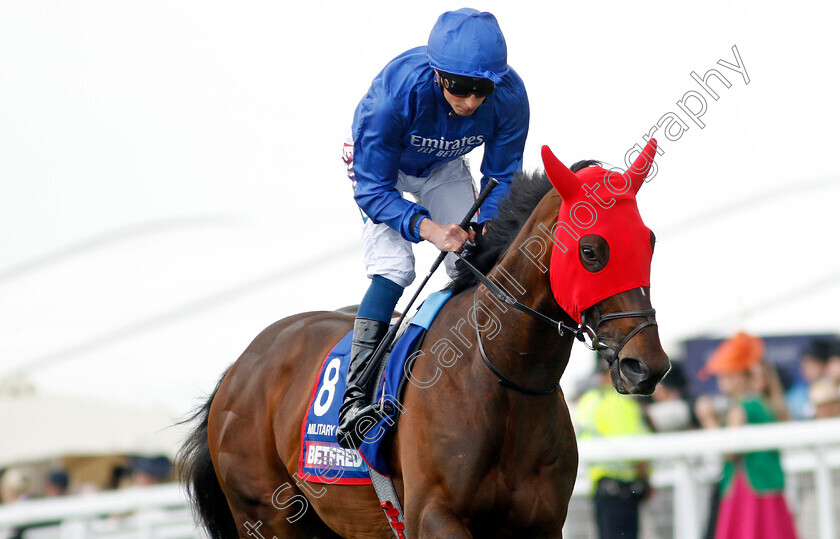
(634, 370)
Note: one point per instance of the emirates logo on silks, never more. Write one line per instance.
(601, 202)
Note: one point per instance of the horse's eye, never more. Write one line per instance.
(593, 253)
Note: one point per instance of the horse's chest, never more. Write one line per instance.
(500, 469)
(514, 493)
(532, 484)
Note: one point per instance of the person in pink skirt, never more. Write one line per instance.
(752, 503)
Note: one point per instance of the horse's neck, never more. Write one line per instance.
(528, 348)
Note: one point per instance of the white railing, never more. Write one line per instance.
(154, 512)
(685, 468)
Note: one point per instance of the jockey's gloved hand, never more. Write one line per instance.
(479, 232)
(470, 244)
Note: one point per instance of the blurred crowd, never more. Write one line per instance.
(749, 499)
(811, 394)
(97, 475)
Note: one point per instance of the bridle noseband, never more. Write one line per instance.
(609, 353)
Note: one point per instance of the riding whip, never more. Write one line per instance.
(392, 332)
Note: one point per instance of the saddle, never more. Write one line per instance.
(322, 460)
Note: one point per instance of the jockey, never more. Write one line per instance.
(429, 107)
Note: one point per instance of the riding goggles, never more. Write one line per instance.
(461, 86)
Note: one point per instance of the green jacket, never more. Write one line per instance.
(763, 468)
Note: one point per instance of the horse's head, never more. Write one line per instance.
(600, 267)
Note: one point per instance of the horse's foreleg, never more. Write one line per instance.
(435, 519)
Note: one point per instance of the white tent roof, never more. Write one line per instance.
(39, 427)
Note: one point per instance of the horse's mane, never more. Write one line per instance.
(526, 191)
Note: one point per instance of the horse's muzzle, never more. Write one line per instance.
(632, 376)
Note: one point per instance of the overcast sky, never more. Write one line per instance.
(172, 183)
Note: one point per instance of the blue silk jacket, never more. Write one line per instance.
(403, 124)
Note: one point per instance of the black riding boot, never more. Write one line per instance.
(361, 379)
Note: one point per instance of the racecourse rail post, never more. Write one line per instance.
(392, 333)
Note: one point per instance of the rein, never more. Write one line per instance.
(504, 380)
(609, 353)
(561, 326)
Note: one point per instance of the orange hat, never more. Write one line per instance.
(736, 354)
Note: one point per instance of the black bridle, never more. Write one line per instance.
(606, 351)
(609, 353)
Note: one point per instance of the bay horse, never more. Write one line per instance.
(485, 445)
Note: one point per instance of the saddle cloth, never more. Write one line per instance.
(322, 460)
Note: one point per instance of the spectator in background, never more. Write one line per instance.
(618, 487)
(752, 502)
(150, 470)
(15, 485)
(825, 398)
(812, 366)
(766, 382)
(832, 365)
(671, 409)
(57, 483)
(120, 477)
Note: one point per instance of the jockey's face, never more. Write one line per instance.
(463, 106)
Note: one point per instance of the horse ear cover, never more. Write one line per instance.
(638, 171)
(609, 210)
(564, 180)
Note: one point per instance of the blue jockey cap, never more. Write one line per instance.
(468, 42)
